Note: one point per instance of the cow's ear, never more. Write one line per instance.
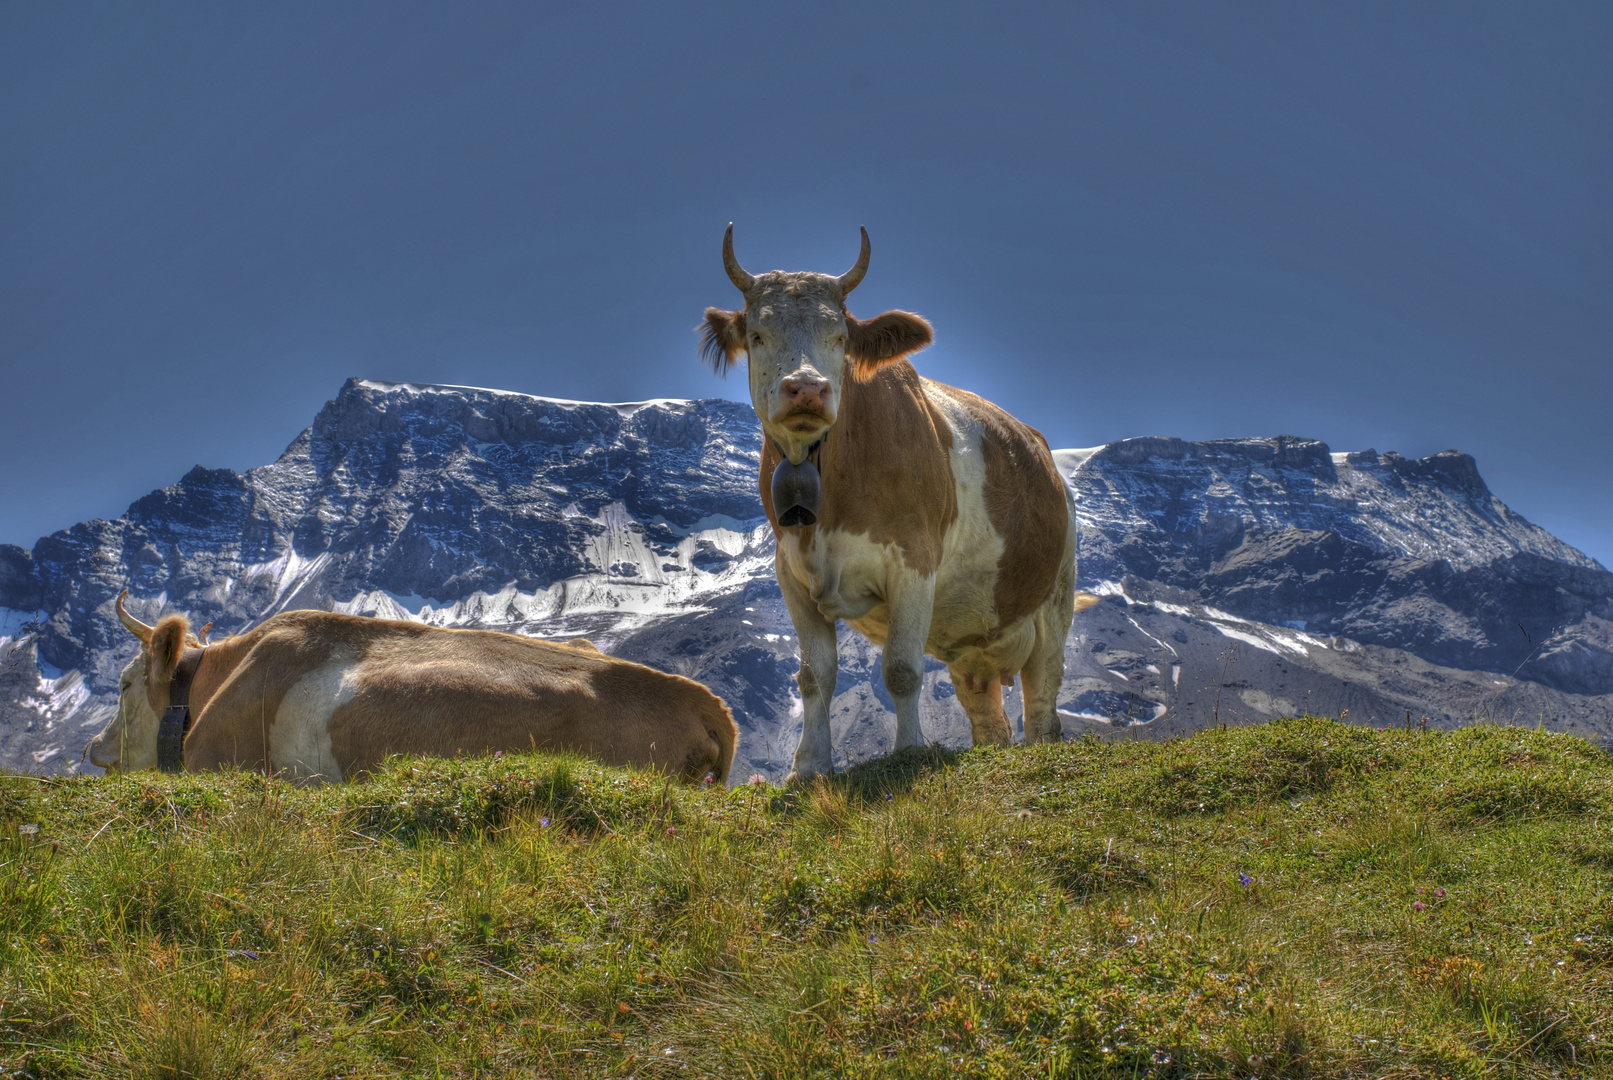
(884, 339)
(722, 337)
(167, 642)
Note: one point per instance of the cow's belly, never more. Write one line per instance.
(849, 577)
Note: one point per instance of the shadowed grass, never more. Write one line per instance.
(1305, 899)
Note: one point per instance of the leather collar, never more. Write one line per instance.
(176, 719)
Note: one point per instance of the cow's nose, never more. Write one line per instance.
(802, 390)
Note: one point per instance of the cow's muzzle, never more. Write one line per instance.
(797, 490)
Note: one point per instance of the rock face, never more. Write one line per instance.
(1243, 579)
(1407, 554)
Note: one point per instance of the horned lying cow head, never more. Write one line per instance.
(799, 340)
(129, 740)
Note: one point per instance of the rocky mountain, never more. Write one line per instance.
(1243, 578)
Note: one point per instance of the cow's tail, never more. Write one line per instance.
(725, 733)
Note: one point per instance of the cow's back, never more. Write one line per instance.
(361, 689)
(472, 691)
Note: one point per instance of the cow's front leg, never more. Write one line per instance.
(912, 602)
(820, 667)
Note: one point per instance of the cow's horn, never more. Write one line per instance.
(736, 273)
(132, 624)
(853, 277)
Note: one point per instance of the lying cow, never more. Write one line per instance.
(313, 694)
(929, 519)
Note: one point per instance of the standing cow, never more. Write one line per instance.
(315, 694)
(926, 517)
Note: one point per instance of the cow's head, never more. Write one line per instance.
(129, 740)
(799, 340)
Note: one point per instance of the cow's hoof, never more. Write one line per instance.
(1045, 730)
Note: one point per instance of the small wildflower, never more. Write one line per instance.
(1440, 893)
(968, 1025)
(870, 939)
(543, 823)
(710, 779)
(1417, 905)
(671, 830)
(1024, 815)
(757, 780)
(1245, 880)
(887, 796)
(28, 830)
(498, 753)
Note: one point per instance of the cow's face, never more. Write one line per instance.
(801, 344)
(795, 347)
(129, 740)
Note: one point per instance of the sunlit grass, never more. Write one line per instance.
(1301, 899)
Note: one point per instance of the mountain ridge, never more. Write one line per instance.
(1361, 581)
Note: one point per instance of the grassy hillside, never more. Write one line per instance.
(1300, 899)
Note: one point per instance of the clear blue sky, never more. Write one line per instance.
(1384, 225)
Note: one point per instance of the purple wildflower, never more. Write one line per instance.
(1417, 905)
(1245, 880)
(543, 823)
(1440, 893)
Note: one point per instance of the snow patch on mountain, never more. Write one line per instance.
(635, 585)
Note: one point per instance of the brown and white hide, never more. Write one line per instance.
(943, 527)
(313, 694)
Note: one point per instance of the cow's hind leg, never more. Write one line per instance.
(983, 702)
(820, 667)
(1043, 673)
(1041, 677)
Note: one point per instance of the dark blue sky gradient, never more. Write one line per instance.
(1384, 225)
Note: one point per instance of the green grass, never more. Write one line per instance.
(1300, 899)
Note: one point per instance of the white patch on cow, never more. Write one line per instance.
(299, 739)
(966, 581)
(844, 573)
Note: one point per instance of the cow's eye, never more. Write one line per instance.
(756, 339)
